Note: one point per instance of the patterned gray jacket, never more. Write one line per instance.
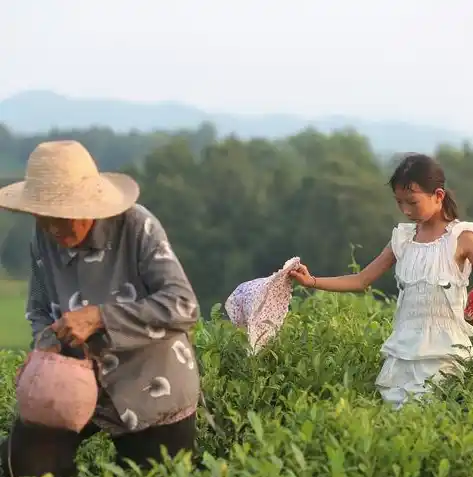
(146, 366)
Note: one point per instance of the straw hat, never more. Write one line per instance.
(62, 180)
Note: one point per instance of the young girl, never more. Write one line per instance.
(433, 257)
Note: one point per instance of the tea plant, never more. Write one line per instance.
(306, 404)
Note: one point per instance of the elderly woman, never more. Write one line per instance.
(103, 273)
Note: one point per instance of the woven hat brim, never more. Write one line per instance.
(89, 202)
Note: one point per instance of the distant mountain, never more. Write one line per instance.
(40, 111)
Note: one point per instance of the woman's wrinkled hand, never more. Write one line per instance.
(76, 327)
(302, 275)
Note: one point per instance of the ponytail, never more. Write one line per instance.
(449, 206)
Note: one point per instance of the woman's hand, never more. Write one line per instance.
(76, 327)
(301, 275)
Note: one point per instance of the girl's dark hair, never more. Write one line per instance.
(428, 175)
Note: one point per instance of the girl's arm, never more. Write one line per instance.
(464, 249)
(464, 252)
(348, 283)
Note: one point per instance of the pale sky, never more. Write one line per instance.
(410, 60)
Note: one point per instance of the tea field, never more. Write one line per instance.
(14, 329)
(306, 405)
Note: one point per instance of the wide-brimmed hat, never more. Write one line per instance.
(62, 180)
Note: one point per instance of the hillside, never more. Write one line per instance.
(38, 111)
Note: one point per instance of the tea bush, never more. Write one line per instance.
(306, 405)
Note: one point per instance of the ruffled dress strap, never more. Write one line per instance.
(457, 227)
(402, 235)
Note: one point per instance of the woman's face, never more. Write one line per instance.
(67, 232)
(417, 205)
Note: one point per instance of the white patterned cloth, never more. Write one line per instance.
(261, 305)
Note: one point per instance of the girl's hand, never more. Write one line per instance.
(301, 275)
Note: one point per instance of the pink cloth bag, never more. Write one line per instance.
(57, 391)
(261, 305)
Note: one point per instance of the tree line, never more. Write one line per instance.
(238, 209)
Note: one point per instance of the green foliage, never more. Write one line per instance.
(245, 207)
(14, 250)
(306, 405)
(238, 209)
(15, 330)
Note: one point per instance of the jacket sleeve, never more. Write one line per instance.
(171, 303)
(39, 308)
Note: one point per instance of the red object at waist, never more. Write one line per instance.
(469, 307)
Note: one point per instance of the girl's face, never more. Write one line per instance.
(67, 232)
(417, 205)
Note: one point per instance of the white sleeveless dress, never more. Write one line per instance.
(429, 319)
